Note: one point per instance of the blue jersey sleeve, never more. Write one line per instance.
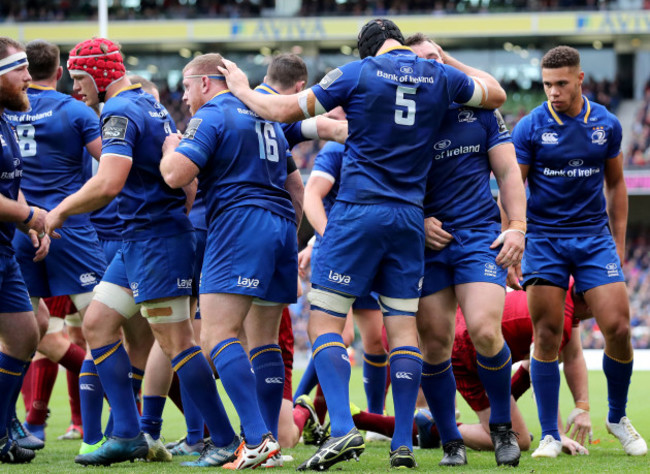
(120, 122)
(200, 138)
(84, 119)
(338, 85)
(293, 133)
(329, 160)
(496, 128)
(521, 138)
(617, 137)
(459, 85)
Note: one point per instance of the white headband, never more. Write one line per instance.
(12, 62)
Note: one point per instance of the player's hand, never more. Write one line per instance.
(436, 237)
(42, 244)
(37, 222)
(171, 142)
(514, 277)
(512, 249)
(235, 77)
(572, 447)
(580, 420)
(304, 259)
(54, 220)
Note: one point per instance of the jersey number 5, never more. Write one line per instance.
(26, 140)
(405, 117)
(267, 141)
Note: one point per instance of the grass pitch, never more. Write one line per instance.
(606, 453)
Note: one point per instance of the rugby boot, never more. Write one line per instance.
(116, 450)
(454, 453)
(335, 450)
(506, 448)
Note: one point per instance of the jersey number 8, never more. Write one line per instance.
(26, 140)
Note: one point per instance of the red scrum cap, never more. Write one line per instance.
(99, 58)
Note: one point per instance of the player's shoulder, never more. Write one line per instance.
(600, 113)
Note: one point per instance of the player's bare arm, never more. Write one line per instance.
(616, 194)
(276, 108)
(177, 170)
(296, 190)
(513, 201)
(96, 193)
(317, 188)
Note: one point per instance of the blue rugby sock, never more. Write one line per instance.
(495, 373)
(113, 366)
(618, 375)
(333, 369)
(91, 400)
(12, 372)
(269, 378)
(236, 374)
(152, 410)
(308, 381)
(193, 418)
(439, 387)
(545, 378)
(374, 381)
(405, 375)
(136, 381)
(195, 377)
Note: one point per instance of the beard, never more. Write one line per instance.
(12, 96)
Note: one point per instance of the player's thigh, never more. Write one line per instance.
(610, 306)
(482, 305)
(436, 317)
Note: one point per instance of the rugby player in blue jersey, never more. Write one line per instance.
(375, 238)
(250, 267)
(567, 149)
(19, 331)
(53, 169)
(466, 261)
(154, 267)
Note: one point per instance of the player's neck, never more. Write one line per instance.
(117, 86)
(51, 84)
(388, 44)
(576, 107)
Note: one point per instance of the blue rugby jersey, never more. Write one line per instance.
(567, 158)
(242, 158)
(394, 103)
(292, 131)
(328, 163)
(135, 126)
(11, 170)
(458, 184)
(52, 137)
(105, 220)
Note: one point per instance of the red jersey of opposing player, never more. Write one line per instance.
(517, 330)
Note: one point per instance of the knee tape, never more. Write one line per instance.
(116, 298)
(73, 320)
(82, 300)
(54, 325)
(261, 302)
(34, 301)
(330, 301)
(398, 306)
(169, 311)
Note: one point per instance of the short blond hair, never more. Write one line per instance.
(205, 64)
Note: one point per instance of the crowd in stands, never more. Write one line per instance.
(58, 10)
(638, 153)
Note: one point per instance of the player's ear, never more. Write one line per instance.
(59, 73)
(300, 85)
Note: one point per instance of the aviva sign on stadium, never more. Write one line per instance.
(341, 28)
